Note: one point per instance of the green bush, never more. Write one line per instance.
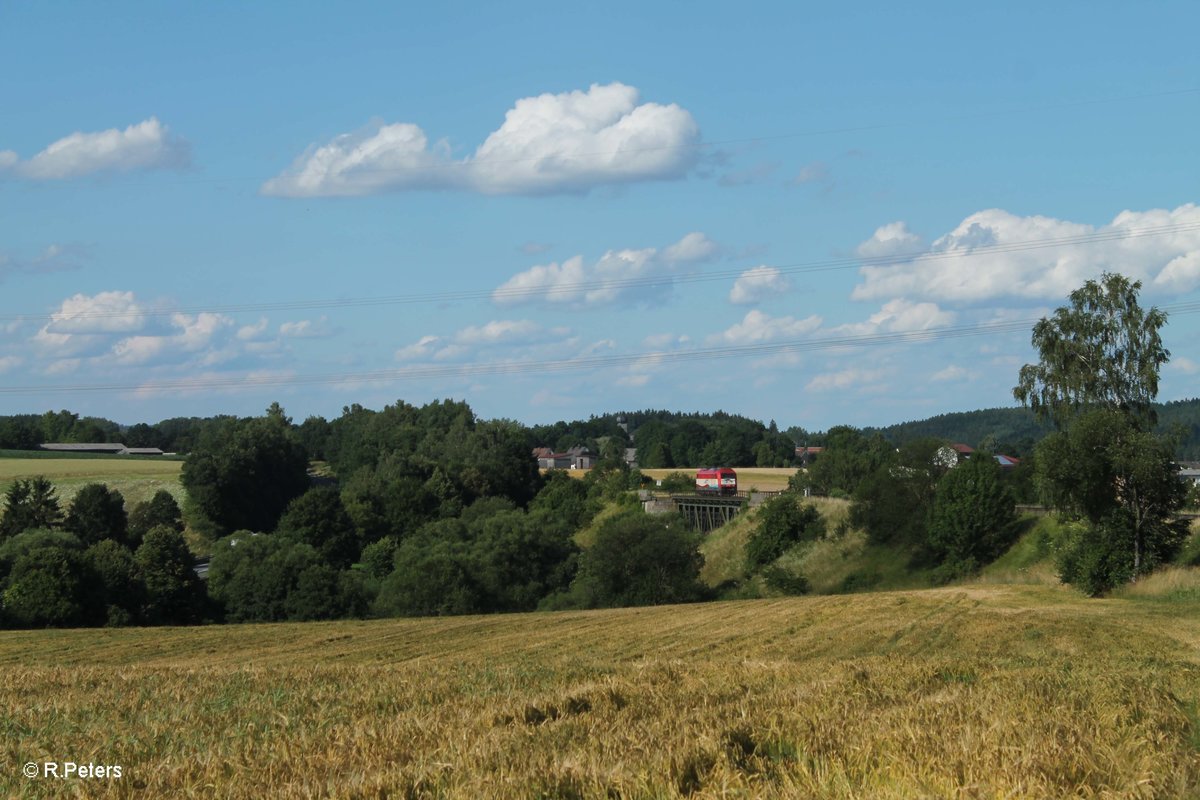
(785, 581)
(637, 559)
(679, 483)
(973, 514)
(782, 522)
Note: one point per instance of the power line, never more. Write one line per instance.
(518, 294)
(503, 368)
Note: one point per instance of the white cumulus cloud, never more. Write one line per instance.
(952, 372)
(106, 312)
(608, 280)
(1184, 365)
(501, 333)
(844, 379)
(893, 239)
(755, 285)
(759, 327)
(900, 315)
(551, 143)
(147, 145)
(993, 254)
(111, 330)
(307, 329)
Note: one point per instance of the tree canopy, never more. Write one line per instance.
(244, 476)
(1103, 350)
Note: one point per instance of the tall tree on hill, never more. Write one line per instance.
(1097, 379)
(1102, 351)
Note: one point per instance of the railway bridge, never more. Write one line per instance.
(705, 512)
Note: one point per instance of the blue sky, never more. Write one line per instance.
(795, 212)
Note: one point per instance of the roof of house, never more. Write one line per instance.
(1007, 461)
(84, 447)
(142, 451)
(964, 449)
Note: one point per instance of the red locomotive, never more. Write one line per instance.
(716, 480)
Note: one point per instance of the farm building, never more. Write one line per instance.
(111, 448)
(1189, 471)
(577, 457)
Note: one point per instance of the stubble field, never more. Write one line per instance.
(970, 692)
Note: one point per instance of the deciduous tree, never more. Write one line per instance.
(1101, 351)
(161, 509)
(97, 513)
(973, 513)
(244, 475)
(1097, 378)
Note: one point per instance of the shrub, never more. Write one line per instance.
(639, 559)
(973, 514)
(785, 581)
(783, 522)
(52, 586)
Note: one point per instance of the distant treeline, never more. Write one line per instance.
(663, 439)
(176, 435)
(1015, 431)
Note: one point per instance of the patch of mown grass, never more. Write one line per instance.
(1175, 584)
(136, 479)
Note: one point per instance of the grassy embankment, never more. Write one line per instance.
(976, 691)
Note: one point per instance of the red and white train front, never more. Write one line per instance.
(716, 480)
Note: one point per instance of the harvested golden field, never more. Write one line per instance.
(765, 479)
(972, 692)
